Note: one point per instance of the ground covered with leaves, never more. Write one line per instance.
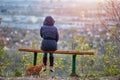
(61, 78)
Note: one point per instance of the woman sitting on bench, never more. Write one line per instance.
(50, 36)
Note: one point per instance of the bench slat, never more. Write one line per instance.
(60, 51)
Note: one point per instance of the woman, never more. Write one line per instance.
(50, 36)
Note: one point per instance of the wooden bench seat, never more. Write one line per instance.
(60, 51)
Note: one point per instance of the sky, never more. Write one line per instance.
(90, 0)
(84, 0)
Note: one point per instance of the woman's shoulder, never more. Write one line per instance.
(49, 27)
(55, 27)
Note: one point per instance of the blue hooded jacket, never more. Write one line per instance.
(50, 35)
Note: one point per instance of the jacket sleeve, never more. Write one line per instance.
(41, 32)
(57, 36)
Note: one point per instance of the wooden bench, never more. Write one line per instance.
(73, 53)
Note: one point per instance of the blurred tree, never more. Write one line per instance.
(109, 16)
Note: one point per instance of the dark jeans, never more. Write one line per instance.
(51, 58)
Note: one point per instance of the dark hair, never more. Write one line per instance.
(49, 21)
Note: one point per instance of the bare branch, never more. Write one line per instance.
(111, 8)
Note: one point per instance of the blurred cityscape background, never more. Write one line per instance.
(22, 19)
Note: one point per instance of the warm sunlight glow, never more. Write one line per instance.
(89, 0)
(83, 0)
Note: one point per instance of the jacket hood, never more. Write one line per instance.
(49, 21)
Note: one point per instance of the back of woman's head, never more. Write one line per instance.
(49, 21)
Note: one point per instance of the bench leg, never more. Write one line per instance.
(73, 66)
(35, 58)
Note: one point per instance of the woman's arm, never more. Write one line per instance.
(57, 36)
(41, 32)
